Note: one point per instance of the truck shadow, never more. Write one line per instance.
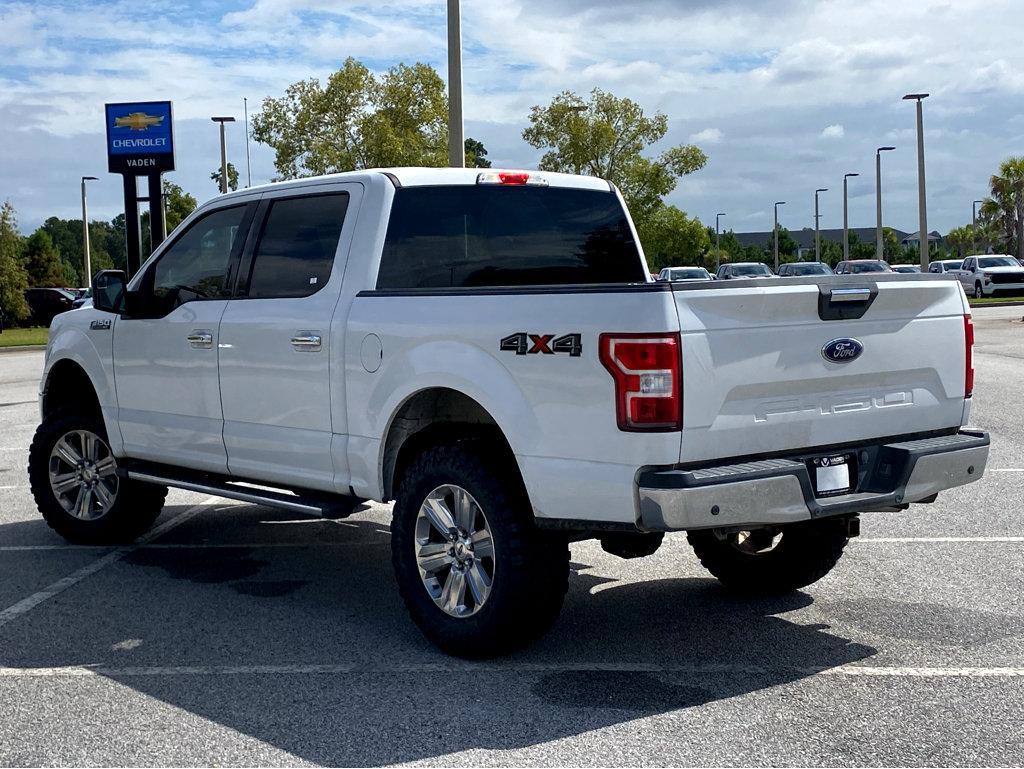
(621, 650)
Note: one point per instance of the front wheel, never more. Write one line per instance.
(771, 561)
(978, 291)
(77, 488)
(475, 574)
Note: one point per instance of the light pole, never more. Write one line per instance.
(456, 138)
(718, 244)
(817, 231)
(248, 165)
(974, 225)
(223, 152)
(879, 247)
(921, 204)
(85, 233)
(846, 220)
(775, 232)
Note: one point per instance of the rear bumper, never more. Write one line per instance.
(777, 491)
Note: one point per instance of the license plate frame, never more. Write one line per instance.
(832, 475)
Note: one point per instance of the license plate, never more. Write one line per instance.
(831, 475)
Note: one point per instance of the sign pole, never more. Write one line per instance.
(132, 231)
(156, 212)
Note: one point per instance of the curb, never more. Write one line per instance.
(23, 348)
(1017, 303)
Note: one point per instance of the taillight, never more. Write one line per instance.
(647, 369)
(968, 356)
(511, 178)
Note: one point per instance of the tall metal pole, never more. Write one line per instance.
(223, 152)
(879, 244)
(775, 231)
(718, 244)
(87, 260)
(248, 165)
(921, 202)
(817, 230)
(974, 225)
(846, 220)
(456, 137)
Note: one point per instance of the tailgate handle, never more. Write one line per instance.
(850, 294)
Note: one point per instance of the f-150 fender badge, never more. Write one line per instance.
(522, 343)
(100, 325)
(842, 350)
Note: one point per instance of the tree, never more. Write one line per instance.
(358, 120)
(788, 247)
(960, 241)
(606, 136)
(860, 249)
(892, 251)
(42, 260)
(13, 278)
(1005, 204)
(180, 204)
(476, 154)
(232, 181)
(671, 238)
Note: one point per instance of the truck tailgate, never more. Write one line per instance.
(756, 381)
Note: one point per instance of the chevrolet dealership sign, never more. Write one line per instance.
(140, 138)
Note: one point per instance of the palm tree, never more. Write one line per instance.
(1005, 206)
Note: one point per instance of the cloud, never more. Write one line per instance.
(834, 131)
(707, 136)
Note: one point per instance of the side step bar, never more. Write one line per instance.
(316, 506)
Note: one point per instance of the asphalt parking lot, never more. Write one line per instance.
(233, 634)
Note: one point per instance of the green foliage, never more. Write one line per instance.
(358, 120)
(1004, 207)
(787, 246)
(860, 249)
(42, 260)
(670, 238)
(960, 241)
(476, 154)
(606, 136)
(180, 204)
(13, 278)
(232, 180)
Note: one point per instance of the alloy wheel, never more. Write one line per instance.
(83, 475)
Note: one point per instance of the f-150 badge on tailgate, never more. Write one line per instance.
(548, 344)
(842, 350)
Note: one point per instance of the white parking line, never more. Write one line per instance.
(1009, 470)
(194, 546)
(28, 604)
(509, 667)
(938, 539)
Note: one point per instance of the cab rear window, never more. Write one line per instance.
(479, 236)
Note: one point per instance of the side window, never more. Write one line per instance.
(196, 265)
(295, 251)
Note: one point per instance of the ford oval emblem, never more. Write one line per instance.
(842, 350)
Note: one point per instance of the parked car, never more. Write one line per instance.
(794, 269)
(45, 303)
(945, 265)
(984, 275)
(482, 347)
(84, 297)
(744, 270)
(675, 274)
(857, 266)
(906, 268)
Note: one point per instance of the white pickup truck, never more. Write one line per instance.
(985, 275)
(487, 350)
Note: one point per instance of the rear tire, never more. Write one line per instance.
(74, 480)
(476, 575)
(979, 293)
(771, 562)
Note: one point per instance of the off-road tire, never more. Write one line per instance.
(135, 508)
(531, 567)
(805, 553)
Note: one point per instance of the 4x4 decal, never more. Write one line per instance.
(547, 344)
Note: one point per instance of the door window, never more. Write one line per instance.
(195, 267)
(296, 249)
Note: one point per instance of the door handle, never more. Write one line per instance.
(307, 342)
(850, 294)
(200, 340)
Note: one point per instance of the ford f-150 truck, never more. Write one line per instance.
(487, 350)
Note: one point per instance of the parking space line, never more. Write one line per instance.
(195, 546)
(28, 604)
(1009, 470)
(509, 667)
(938, 539)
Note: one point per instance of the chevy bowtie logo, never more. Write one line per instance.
(138, 121)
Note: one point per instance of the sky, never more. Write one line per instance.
(784, 96)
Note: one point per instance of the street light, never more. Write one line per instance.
(248, 164)
(776, 232)
(223, 152)
(921, 205)
(456, 138)
(846, 221)
(974, 225)
(817, 231)
(718, 246)
(85, 233)
(879, 248)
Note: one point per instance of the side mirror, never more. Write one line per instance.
(108, 289)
